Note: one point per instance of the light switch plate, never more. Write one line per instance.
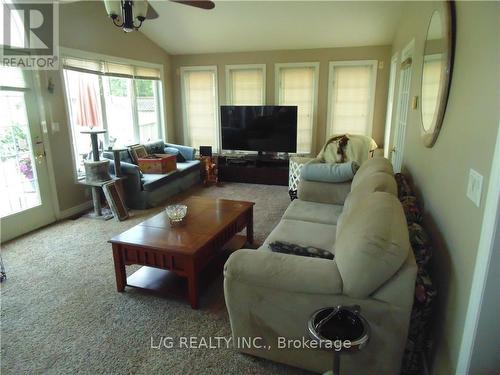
(474, 187)
(55, 127)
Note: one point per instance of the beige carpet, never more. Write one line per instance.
(61, 314)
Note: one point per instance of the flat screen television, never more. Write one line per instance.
(268, 128)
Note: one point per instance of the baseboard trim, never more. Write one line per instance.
(74, 210)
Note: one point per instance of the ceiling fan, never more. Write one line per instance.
(125, 12)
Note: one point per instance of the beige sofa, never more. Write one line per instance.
(271, 295)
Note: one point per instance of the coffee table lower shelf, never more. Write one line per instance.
(158, 281)
(163, 282)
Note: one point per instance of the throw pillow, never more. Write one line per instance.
(329, 172)
(175, 151)
(412, 211)
(306, 251)
(420, 244)
(404, 186)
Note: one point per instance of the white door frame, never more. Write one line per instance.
(487, 245)
(403, 108)
(390, 104)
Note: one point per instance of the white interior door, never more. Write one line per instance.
(25, 199)
(397, 151)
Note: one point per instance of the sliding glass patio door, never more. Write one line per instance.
(25, 199)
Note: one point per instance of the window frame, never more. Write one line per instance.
(186, 130)
(161, 117)
(331, 67)
(230, 68)
(277, 92)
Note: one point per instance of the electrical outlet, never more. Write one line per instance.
(474, 187)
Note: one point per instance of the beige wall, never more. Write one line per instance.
(441, 173)
(84, 26)
(323, 56)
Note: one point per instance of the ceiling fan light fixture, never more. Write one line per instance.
(140, 9)
(113, 8)
(125, 12)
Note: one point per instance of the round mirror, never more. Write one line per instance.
(436, 72)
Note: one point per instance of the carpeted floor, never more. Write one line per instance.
(61, 314)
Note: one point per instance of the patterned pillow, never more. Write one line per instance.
(420, 244)
(305, 251)
(412, 211)
(404, 187)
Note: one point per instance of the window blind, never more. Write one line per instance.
(111, 68)
(430, 88)
(296, 87)
(246, 86)
(351, 98)
(200, 107)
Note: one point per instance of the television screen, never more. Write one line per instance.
(259, 128)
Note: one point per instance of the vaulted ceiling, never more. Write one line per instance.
(237, 26)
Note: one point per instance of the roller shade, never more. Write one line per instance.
(111, 68)
(247, 86)
(297, 87)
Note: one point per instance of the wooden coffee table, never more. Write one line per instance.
(185, 249)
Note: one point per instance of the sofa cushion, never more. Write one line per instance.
(175, 151)
(313, 212)
(188, 165)
(151, 182)
(378, 181)
(329, 172)
(372, 244)
(302, 233)
(373, 165)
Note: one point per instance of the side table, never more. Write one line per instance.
(296, 164)
(340, 324)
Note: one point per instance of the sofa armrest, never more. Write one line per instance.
(323, 192)
(284, 272)
(131, 171)
(186, 151)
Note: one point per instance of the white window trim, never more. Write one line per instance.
(277, 91)
(71, 52)
(229, 68)
(331, 66)
(212, 68)
(391, 101)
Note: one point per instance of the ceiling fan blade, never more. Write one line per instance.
(202, 4)
(151, 13)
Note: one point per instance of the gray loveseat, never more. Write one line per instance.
(150, 190)
(272, 295)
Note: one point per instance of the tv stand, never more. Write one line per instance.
(253, 169)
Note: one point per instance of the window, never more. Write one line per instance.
(351, 96)
(123, 99)
(297, 85)
(246, 84)
(200, 106)
(431, 78)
